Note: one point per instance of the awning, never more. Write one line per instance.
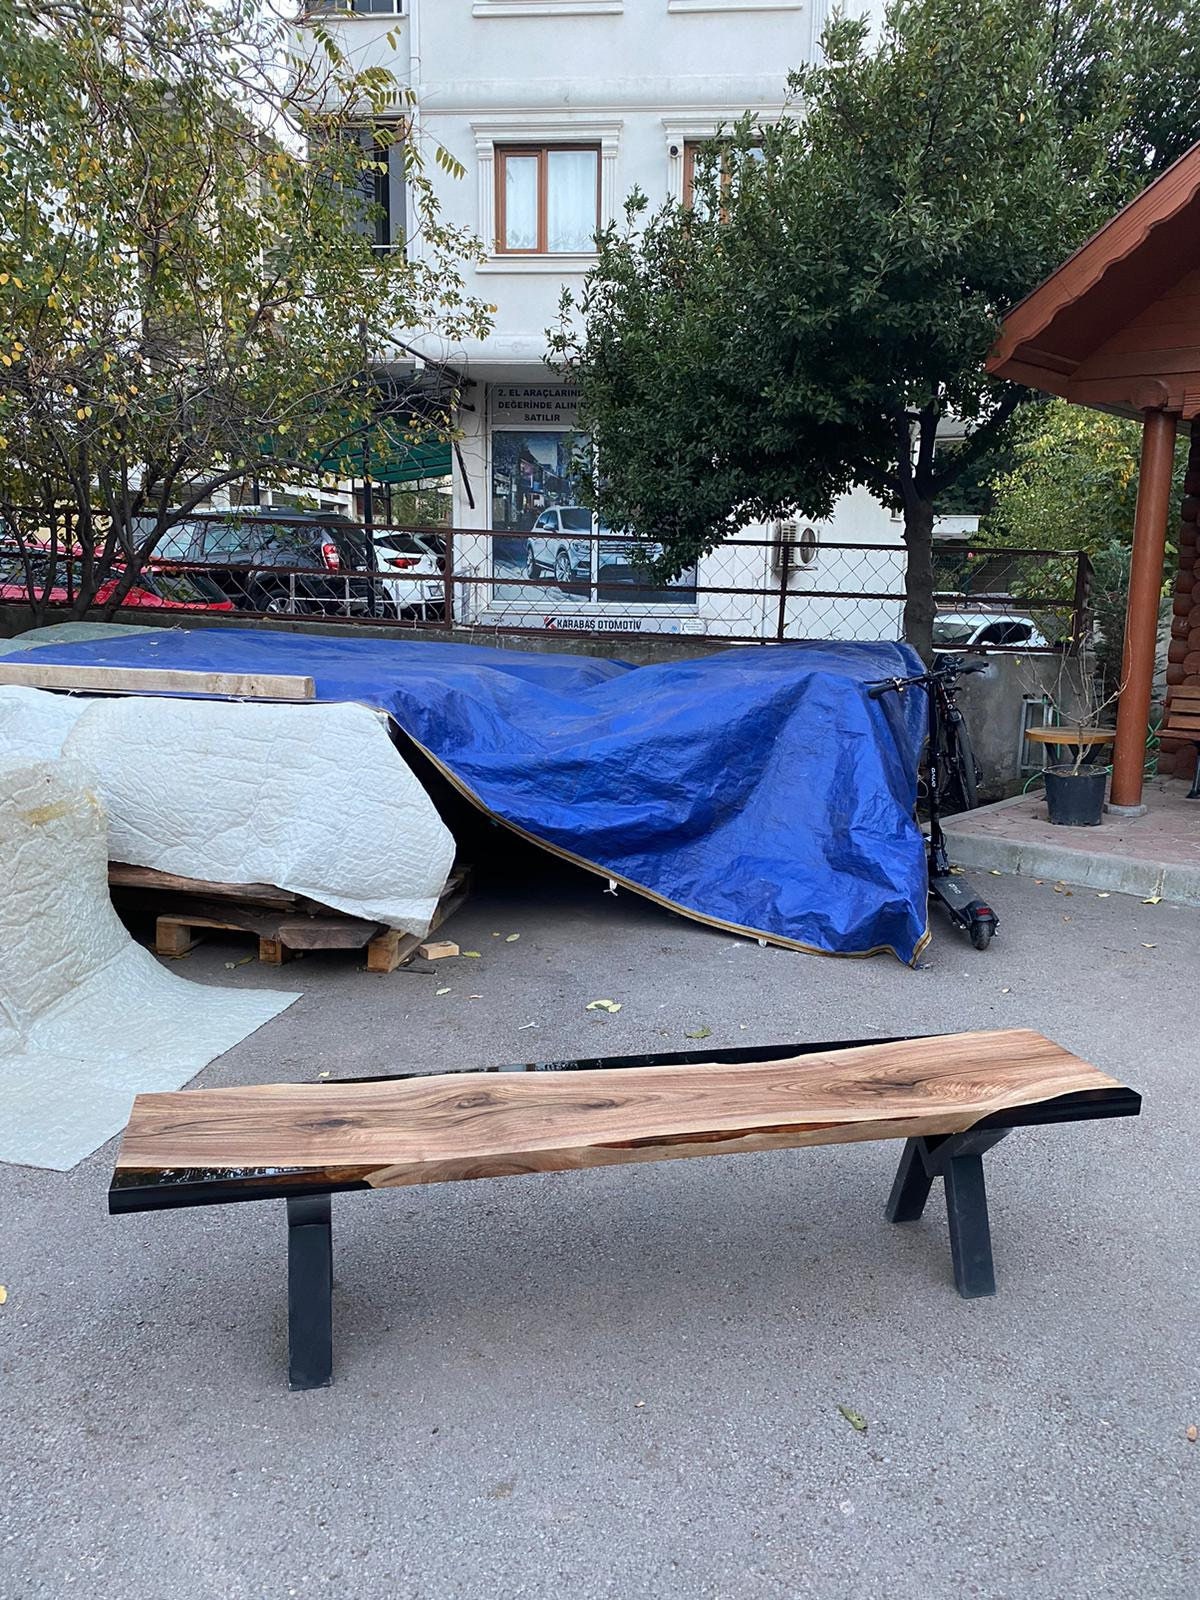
(384, 455)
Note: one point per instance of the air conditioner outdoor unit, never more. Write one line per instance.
(793, 548)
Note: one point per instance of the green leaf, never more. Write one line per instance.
(856, 1420)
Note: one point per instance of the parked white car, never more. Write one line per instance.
(560, 542)
(418, 591)
(966, 630)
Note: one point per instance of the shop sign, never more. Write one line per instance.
(534, 405)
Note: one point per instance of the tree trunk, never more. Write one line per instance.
(918, 577)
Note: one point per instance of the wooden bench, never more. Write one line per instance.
(949, 1097)
(1181, 722)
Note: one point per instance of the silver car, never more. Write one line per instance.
(560, 542)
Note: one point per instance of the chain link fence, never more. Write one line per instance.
(559, 579)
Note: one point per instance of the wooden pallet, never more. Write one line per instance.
(283, 923)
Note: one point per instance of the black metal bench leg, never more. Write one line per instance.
(970, 1234)
(911, 1189)
(958, 1160)
(310, 1292)
(1194, 792)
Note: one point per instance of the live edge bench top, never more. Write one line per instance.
(211, 1145)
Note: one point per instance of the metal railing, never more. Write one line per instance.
(748, 590)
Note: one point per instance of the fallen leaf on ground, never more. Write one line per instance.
(1149, 946)
(1006, 991)
(441, 991)
(698, 1033)
(322, 1074)
(638, 1404)
(1193, 1433)
(512, 938)
(856, 1421)
(1102, 894)
(995, 872)
(1152, 900)
(474, 954)
(603, 1005)
(4, 1297)
(957, 872)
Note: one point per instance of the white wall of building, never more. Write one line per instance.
(639, 79)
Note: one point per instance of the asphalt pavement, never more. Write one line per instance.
(627, 1382)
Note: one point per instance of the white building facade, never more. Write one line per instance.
(557, 109)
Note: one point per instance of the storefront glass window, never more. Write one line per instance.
(543, 534)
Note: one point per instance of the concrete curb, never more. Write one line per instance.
(1089, 869)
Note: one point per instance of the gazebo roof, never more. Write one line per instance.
(1117, 326)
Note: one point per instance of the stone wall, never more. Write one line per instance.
(1183, 652)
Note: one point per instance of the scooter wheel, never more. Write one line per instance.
(981, 934)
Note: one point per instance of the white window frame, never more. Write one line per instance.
(736, 5)
(515, 129)
(547, 8)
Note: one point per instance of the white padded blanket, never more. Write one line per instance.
(87, 1017)
(313, 798)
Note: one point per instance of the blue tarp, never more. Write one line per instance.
(758, 789)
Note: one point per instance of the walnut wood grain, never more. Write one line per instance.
(475, 1125)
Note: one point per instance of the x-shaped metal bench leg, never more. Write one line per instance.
(957, 1160)
(310, 1292)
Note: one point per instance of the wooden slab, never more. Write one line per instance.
(1076, 736)
(122, 875)
(157, 680)
(242, 1143)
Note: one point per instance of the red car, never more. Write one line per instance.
(159, 589)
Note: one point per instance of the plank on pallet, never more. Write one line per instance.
(158, 680)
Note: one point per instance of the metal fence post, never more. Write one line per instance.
(448, 578)
(784, 557)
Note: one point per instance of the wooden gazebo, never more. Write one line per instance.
(1117, 327)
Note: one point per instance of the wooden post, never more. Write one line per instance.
(1141, 616)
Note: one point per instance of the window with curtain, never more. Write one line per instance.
(547, 199)
(696, 152)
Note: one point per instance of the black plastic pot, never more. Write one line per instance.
(1075, 799)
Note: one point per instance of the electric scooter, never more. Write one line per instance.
(965, 908)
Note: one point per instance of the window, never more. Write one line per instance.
(547, 199)
(1006, 633)
(694, 166)
(357, 8)
(379, 213)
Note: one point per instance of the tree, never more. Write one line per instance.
(832, 295)
(1071, 485)
(189, 296)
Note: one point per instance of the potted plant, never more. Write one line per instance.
(1075, 790)
(1076, 782)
